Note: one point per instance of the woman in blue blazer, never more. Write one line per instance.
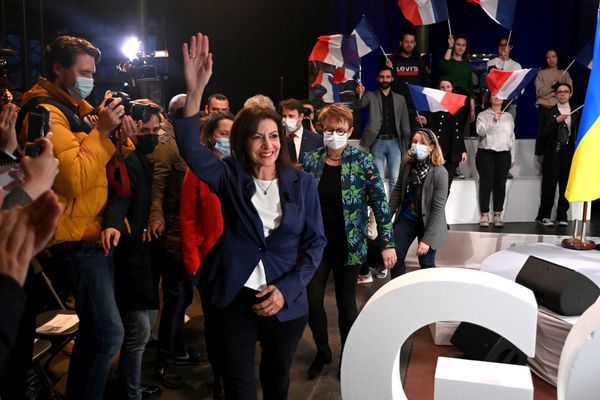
(253, 282)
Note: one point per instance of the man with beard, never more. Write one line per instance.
(409, 67)
(388, 129)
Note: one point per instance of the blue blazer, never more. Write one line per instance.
(310, 142)
(291, 253)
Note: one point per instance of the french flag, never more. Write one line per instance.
(332, 92)
(586, 55)
(501, 11)
(424, 12)
(341, 75)
(428, 99)
(337, 50)
(366, 39)
(507, 85)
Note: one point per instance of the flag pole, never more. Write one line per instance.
(509, 103)
(418, 115)
(508, 40)
(359, 74)
(568, 66)
(577, 109)
(383, 51)
(578, 241)
(449, 27)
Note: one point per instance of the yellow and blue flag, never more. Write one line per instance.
(584, 178)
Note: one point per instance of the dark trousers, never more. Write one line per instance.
(178, 293)
(492, 167)
(237, 329)
(344, 280)
(555, 171)
(451, 168)
(405, 232)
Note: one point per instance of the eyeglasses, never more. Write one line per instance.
(563, 92)
(339, 132)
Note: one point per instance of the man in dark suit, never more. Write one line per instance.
(301, 141)
(388, 129)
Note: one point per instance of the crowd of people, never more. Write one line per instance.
(254, 210)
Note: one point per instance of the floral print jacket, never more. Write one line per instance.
(361, 187)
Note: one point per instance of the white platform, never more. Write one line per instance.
(457, 379)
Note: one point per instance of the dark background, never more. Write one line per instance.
(262, 46)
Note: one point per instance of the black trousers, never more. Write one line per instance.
(451, 168)
(344, 279)
(236, 330)
(492, 167)
(555, 171)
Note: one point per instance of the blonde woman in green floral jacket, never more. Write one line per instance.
(348, 182)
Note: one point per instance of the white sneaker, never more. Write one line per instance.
(381, 274)
(365, 278)
(545, 222)
(562, 223)
(498, 221)
(484, 221)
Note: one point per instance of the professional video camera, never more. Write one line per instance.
(136, 110)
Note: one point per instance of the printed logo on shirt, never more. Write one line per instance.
(412, 70)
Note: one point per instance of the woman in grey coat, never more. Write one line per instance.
(418, 201)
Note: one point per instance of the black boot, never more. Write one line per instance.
(323, 357)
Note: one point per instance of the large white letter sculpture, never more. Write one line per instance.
(579, 368)
(416, 299)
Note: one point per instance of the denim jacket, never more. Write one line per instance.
(361, 187)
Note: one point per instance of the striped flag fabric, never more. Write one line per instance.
(428, 99)
(507, 85)
(337, 50)
(366, 39)
(586, 55)
(341, 75)
(424, 12)
(332, 92)
(584, 184)
(501, 11)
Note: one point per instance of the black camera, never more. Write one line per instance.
(38, 127)
(136, 110)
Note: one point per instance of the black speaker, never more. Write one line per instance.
(558, 288)
(481, 344)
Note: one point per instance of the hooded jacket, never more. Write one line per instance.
(81, 183)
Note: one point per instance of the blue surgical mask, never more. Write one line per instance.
(222, 146)
(419, 151)
(82, 88)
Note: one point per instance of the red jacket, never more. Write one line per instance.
(201, 221)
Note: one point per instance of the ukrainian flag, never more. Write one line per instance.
(584, 177)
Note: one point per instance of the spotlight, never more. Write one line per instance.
(131, 48)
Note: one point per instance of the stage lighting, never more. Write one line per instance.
(132, 48)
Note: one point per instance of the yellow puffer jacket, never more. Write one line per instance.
(81, 184)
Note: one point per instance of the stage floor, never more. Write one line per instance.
(530, 228)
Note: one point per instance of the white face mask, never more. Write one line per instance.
(82, 88)
(335, 142)
(291, 125)
(420, 151)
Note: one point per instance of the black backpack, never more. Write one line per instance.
(76, 123)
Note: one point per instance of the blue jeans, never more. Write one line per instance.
(387, 151)
(137, 333)
(178, 293)
(405, 232)
(100, 328)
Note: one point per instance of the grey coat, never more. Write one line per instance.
(373, 101)
(433, 201)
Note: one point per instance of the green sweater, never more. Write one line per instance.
(459, 73)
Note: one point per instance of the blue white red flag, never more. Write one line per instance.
(586, 55)
(366, 39)
(332, 92)
(428, 99)
(341, 75)
(584, 184)
(501, 11)
(337, 50)
(424, 12)
(507, 85)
